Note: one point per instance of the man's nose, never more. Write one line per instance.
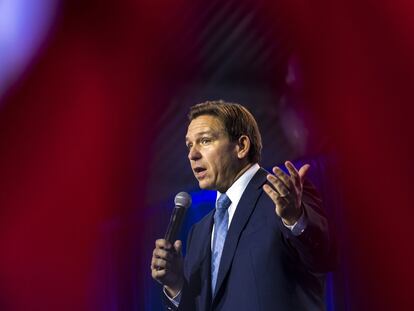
(194, 153)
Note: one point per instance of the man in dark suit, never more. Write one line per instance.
(266, 245)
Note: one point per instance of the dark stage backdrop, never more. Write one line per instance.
(93, 99)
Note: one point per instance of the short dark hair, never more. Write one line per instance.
(237, 121)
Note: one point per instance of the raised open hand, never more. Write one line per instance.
(285, 190)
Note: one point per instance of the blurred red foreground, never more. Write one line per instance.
(75, 136)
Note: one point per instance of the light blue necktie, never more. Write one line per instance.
(221, 222)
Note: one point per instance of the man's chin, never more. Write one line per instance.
(203, 184)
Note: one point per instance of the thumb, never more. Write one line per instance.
(178, 245)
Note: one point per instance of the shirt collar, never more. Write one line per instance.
(237, 188)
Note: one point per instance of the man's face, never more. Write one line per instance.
(212, 156)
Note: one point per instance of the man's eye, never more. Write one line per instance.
(189, 146)
(205, 141)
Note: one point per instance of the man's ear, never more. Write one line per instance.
(243, 147)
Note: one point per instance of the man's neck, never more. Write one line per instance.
(240, 173)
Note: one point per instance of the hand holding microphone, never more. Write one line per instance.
(167, 259)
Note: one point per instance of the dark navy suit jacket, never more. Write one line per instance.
(263, 265)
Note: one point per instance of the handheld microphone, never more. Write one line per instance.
(182, 203)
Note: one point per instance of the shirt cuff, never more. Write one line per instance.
(174, 300)
(298, 227)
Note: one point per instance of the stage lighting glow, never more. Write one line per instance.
(24, 25)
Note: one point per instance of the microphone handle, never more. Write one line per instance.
(175, 223)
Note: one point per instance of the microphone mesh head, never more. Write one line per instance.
(183, 199)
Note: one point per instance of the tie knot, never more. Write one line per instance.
(223, 202)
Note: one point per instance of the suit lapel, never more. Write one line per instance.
(241, 216)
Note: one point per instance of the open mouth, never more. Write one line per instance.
(199, 172)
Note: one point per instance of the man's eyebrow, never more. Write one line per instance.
(205, 132)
